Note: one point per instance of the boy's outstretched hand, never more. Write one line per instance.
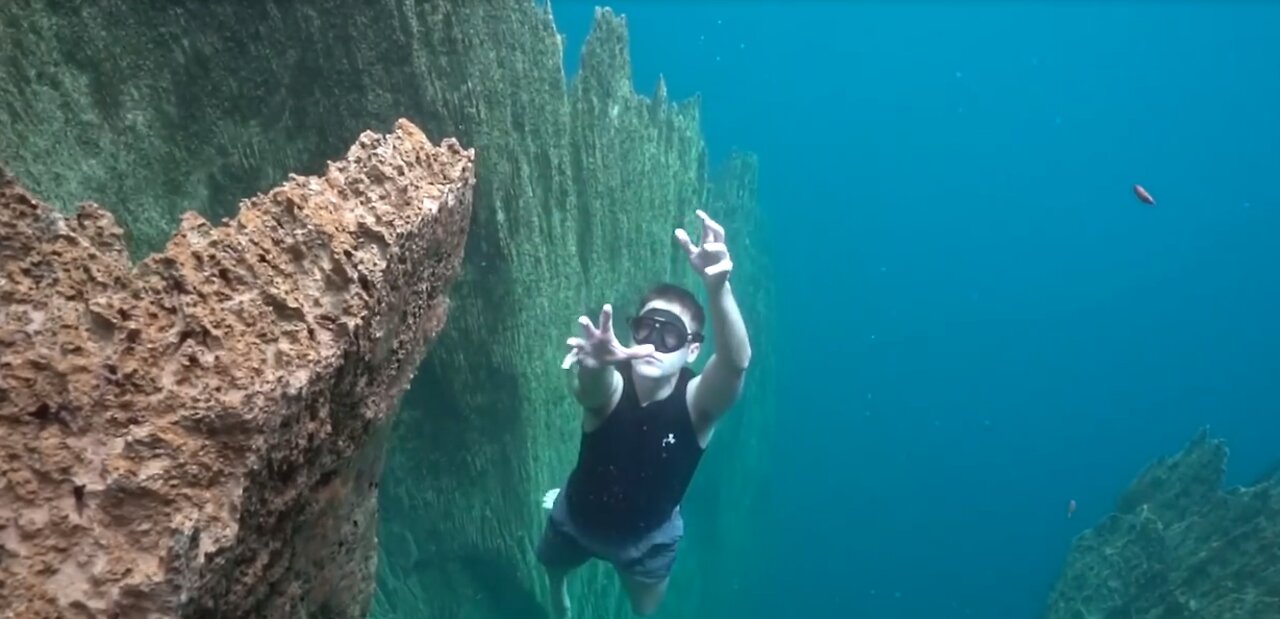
(711, 258)
(600, 347)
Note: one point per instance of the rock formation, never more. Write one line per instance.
(202, 434)
(157, 107)
(1178, 545)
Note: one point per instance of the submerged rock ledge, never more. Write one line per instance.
(1178, 545)
(201, 434)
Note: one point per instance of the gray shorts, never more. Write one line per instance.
(650, 558)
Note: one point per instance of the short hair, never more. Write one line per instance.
(679, 295)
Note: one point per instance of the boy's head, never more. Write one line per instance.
(671, 319)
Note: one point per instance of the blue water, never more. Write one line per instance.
(982, 322)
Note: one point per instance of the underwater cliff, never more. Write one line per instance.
(1179, 545)
(155, 108)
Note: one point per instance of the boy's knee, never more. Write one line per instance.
(645, 597)
(643, 610)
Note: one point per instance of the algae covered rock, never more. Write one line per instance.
(579, 218)
(1179, 545)
(201, 434)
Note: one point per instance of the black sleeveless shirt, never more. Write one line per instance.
(634, 469)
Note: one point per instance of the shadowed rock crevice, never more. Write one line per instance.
(200, 435)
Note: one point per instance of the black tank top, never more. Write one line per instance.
(634, 469)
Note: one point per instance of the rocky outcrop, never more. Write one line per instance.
(1178, 545)
(202, 434)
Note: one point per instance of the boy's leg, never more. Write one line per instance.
(560, 554)
(646, 567)
(645, 595)
(558, 591)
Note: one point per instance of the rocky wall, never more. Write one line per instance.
(201, 434)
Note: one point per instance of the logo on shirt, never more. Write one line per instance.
(670, 440)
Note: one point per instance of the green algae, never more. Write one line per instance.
(1178, 545)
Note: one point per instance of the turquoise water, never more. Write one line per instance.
(982, 321)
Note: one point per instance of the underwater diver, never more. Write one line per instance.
(647, 419)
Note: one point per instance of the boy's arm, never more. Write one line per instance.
(597, 389)
(713, 392)
(595, 382)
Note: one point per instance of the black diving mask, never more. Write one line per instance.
(664, 330)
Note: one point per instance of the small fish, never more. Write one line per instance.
(1143, 195)
(1071, 507)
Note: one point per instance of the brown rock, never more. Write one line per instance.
(202, 434)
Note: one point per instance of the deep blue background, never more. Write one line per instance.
(982, 322)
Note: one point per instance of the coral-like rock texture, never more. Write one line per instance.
(1178, 545)
(202, 434)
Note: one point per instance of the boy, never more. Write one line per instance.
(647, 419)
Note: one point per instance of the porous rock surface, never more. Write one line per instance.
(1179, 546)
(201, 434)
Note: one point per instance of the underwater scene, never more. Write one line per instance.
(516, 309)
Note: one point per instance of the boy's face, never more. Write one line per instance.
(665, 325)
